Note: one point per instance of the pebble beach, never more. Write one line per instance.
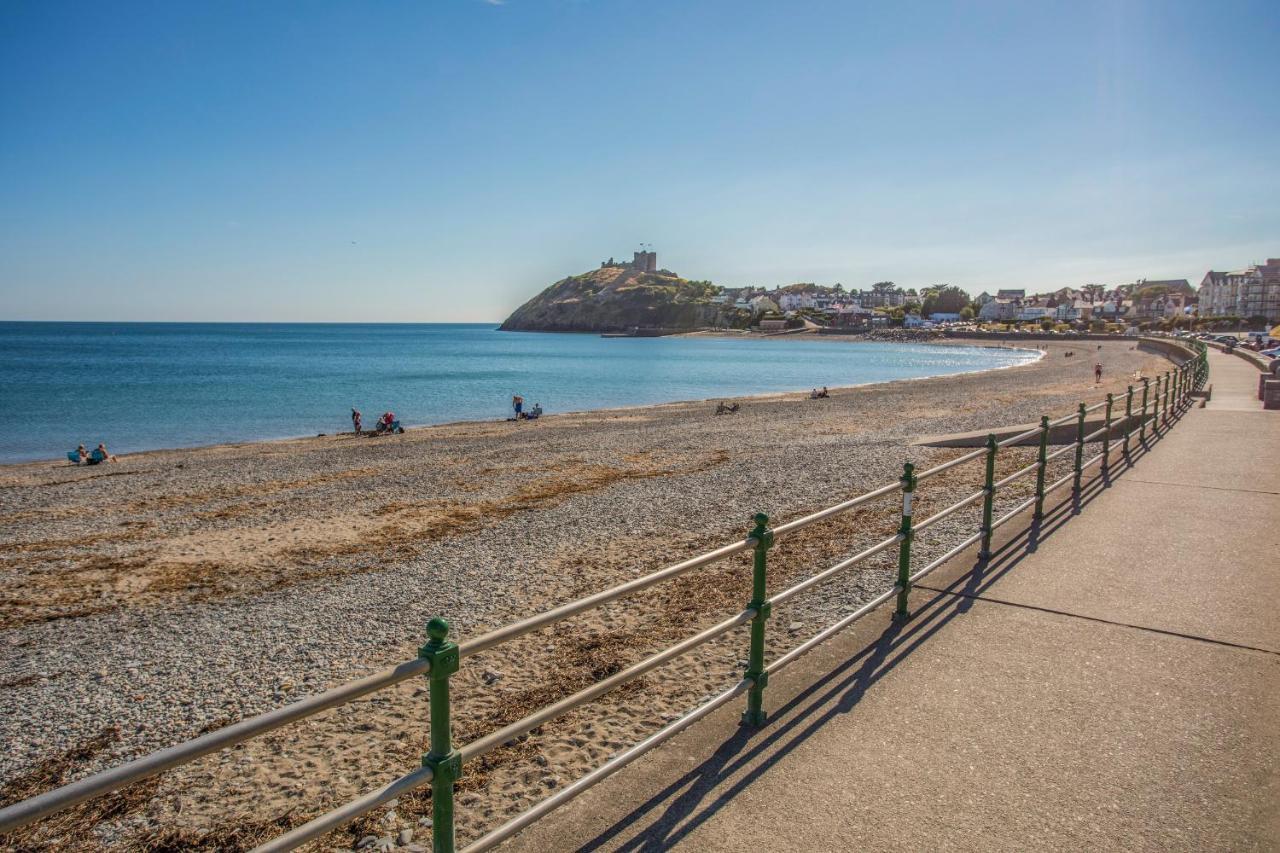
(174, 592)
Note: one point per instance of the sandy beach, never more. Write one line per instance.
(144, 602)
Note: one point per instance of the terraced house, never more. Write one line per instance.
(1250, 292)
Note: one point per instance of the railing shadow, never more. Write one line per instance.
(689, 801)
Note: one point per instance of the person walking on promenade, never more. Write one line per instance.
(355, 420)
(1097, 373)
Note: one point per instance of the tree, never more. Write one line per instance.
(966, 313)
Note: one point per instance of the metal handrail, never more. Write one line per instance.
(1013, 512)
(955, 507)
(347, 812)
(972, 540)
(24, 812)
(1016, 475)
(1055, 454)
(805, 521)
(605, 770)
(1065, 419)
(1092, 460)
(1098, 433)
(831, 630)
(1022, 436)
(506, 734)
(959, 460)
(814, 580)
(590, 602)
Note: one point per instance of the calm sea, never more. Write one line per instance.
(140, 386)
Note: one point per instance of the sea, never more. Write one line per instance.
(143, 386)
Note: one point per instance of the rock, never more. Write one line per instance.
(390, 820)
(367, 841)
(619, 298)
(490, 676)
(425, 822)
(405, 836)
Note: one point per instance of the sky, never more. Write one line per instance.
(446, 160)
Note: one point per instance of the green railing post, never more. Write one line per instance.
(1128, 420)
(445, 761)
(1041, 463)
(1079, 469)
(988, 499)
(756, 674)
(1168, 382)
(1106, 436)
(904, 548)
(1155, 410)
(1142, 424)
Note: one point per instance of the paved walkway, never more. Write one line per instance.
(1111, 681)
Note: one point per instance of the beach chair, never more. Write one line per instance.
(97, 456)
(74, 456)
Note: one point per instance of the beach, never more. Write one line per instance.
(174, 592)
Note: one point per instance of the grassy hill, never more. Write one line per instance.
(613, 299)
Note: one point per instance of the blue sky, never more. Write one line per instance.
(445, 160)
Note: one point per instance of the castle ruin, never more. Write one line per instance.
(642, 261)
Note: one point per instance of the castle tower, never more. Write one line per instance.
(645, 261)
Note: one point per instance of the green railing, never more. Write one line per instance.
(440, 657)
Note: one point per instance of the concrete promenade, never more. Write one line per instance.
(1110, 680)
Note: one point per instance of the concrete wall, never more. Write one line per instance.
(1170, 348)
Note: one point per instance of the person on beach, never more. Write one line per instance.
(388, 423)
(825, 393)
(83, 454)
(535, 412)
(517, 403)
(355, 420)
(1097, 373)
(100, 454)
(813, 395)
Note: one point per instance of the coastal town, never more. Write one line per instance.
(641, 298)
(1249, 296)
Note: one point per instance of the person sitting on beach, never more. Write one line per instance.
(535, 412)
(388, 423)
(824, 393)
(813, 395)
(100, 454)
(79, 456)
(355, 420)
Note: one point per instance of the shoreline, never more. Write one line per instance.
(60, 462)
(210, 585)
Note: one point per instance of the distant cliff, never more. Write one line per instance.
(615, 298)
